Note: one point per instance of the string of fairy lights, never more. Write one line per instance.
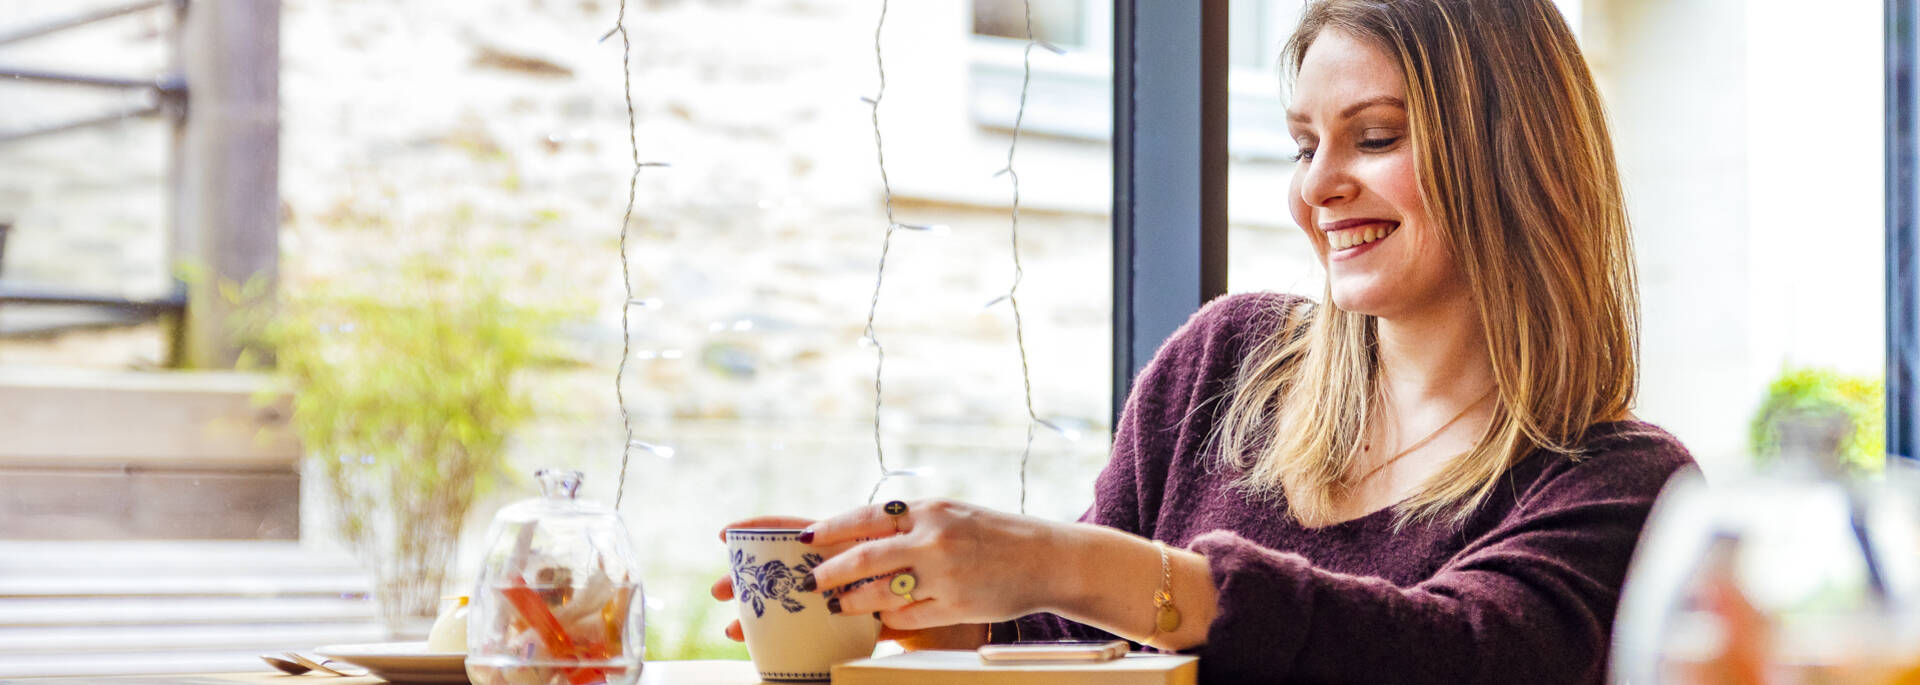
(1012, 297)
(870, 338)
(626, 269)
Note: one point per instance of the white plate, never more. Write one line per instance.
(402, 662)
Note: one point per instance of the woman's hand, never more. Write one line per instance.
(951, 637)
(970, 564)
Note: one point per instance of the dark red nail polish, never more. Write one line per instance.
(833, 605)
(808, 583)
(806, 537)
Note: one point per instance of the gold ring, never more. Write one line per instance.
(902, 585)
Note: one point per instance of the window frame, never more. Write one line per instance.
(1079, 88)
(1169, 242)
(1902, 156)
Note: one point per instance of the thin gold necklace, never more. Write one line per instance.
(1423, 441)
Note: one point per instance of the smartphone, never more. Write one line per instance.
(1053, 652)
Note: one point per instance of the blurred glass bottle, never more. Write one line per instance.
(1799, 574)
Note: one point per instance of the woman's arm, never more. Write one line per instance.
(974, 565)
(1058, 566)
(1530, 601)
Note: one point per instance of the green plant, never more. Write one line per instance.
(404, 397)
(1861, 400)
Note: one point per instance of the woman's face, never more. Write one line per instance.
(1355, 190)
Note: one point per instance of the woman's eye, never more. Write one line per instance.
(1305, 154)
(1379, 143)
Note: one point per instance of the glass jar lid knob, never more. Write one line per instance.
(558, 484)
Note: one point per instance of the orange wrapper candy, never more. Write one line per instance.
(533, 607)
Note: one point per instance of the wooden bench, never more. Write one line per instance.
(111, 455)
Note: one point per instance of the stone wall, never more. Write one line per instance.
(495, 130)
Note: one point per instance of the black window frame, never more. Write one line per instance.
(1902, 156)
(1169, 173)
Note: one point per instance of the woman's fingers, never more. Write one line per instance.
(864, 560)
(875, 596)
(766, 522)
(871, 521)
(735, 634)
(723, 588)
(917, 616)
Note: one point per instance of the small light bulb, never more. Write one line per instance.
(661, 451)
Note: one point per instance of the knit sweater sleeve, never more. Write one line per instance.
(1160, 426)
(1530, 601)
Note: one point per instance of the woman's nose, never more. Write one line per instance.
(1326, 182)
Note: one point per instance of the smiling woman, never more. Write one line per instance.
(1470, 203)
(1423, 478)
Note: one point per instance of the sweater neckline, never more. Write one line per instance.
(1595, 431)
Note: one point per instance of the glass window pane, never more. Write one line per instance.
(1248, 34)
(489, 140)
(1061, 22)
(1265, 250)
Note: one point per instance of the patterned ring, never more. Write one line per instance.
(898, 510)
(902, 585)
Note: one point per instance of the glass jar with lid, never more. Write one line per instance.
(558, 600)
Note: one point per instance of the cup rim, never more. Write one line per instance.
(764, 531)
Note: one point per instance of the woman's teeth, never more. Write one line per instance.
(1341, 240)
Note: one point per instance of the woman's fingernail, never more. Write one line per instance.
(806, 536)
(807, 583)
(833, 605)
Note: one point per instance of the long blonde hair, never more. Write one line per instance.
(1518, 173)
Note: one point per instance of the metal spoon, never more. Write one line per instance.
(285, 666)
(323, 665)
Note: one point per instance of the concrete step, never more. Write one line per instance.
(150, 558)
(111, 608)
(264, 636)
(157, 662)
(95, 611)
(312, 585)
(176, 569)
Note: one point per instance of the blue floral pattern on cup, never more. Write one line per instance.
(759, 584)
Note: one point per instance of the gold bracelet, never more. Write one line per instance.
(1166, 618)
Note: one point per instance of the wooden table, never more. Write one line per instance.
(655, 673)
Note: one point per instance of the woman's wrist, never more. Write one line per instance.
(1067, 577)
(1108, 579)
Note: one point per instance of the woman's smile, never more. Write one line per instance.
(1349, 239)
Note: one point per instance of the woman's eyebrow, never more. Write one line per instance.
(1354, 108)
(1376, 101)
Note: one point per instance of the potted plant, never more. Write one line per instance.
(404, 398)
(1856, 402)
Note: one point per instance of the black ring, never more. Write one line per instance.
(895, 508)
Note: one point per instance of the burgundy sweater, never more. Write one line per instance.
(1523, 592)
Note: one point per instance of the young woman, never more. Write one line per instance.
(1430, 476)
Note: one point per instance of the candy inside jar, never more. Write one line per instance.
(558, 601)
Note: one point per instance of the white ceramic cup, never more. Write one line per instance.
(790, 635)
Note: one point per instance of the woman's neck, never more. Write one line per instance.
(1436, 358)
